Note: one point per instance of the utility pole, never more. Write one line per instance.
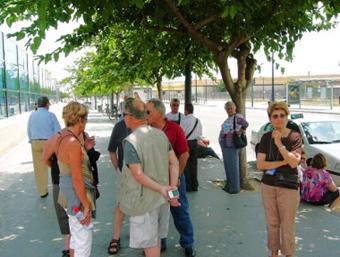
(273, 92)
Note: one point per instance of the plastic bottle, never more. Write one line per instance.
(80, 216)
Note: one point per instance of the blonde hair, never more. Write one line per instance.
(74, 112)
(277, 106)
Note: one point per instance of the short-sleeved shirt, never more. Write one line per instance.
(314, 184)
(42, 124)
(267, 146)
(176, 136)
(176, 117)
(188, 126)
(119, 133)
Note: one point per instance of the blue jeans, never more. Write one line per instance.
(232, 168)
(182, 218)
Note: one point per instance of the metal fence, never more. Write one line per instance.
(21, 79)
(321, 93)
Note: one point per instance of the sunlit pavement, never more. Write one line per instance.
(225, 225)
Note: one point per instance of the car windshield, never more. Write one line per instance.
(322, 132)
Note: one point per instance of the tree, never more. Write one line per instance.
(227, 28)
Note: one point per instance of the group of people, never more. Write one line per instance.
(150, 155)
(154, 156)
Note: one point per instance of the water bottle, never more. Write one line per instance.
(80, 216)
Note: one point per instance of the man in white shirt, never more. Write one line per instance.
(192, 127)
(175, 115)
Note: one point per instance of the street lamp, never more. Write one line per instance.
(273, 93)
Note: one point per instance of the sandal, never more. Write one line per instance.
(114, 246)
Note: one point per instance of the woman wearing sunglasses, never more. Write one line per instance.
(279, 155)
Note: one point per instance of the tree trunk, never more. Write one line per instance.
(237, 92)
(187, 82)
(159, 88)
(187, 74)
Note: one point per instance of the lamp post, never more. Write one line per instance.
(273, 93)
(263, 89)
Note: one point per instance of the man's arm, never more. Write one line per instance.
(114, 159)
(141, 178)
(173, 168)
(49, 149)
(56, 125)
(182, 159)
(29, 129)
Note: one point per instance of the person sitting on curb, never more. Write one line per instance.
(203, 149)
(317, 185)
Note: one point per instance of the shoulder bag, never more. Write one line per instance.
(283, 177)
(240, 140)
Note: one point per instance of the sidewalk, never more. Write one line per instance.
(225, 225)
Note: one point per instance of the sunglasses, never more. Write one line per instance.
(126, 114)
(175, 105)
(276, 116)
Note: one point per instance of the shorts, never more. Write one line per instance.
(147, 229)
(119, 186)
(81, 239)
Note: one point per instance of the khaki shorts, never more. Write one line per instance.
(147, 229)
(119, 186)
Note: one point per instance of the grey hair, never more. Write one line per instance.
(136, 108)
(175, 100)
(229, 103)
(158, 105)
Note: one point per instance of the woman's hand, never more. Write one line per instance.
(87, 217)
(174, 202)
(89, 143)
(277, 135)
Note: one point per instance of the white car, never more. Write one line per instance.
(319, 136)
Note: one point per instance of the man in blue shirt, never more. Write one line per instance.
(42, 124)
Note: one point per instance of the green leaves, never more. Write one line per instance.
(230, 11)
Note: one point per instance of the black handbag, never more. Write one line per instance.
(286, 180)
(283, 177)
(239, 140)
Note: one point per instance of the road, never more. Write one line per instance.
(213, 114)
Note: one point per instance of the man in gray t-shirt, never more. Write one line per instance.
(150, 170)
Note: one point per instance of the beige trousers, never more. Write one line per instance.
(40, 168)
(280, 206)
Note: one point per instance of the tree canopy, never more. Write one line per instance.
(227, 28)
(127, 56)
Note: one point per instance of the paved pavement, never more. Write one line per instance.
(225, 225)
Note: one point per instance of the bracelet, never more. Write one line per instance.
(282, 147)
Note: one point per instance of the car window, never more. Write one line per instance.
(268, 127)
(291, 125)
(322, 132)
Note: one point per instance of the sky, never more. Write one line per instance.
(316, 53)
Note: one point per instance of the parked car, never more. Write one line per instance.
(319, 136)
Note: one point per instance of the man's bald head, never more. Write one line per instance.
(135, 108)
